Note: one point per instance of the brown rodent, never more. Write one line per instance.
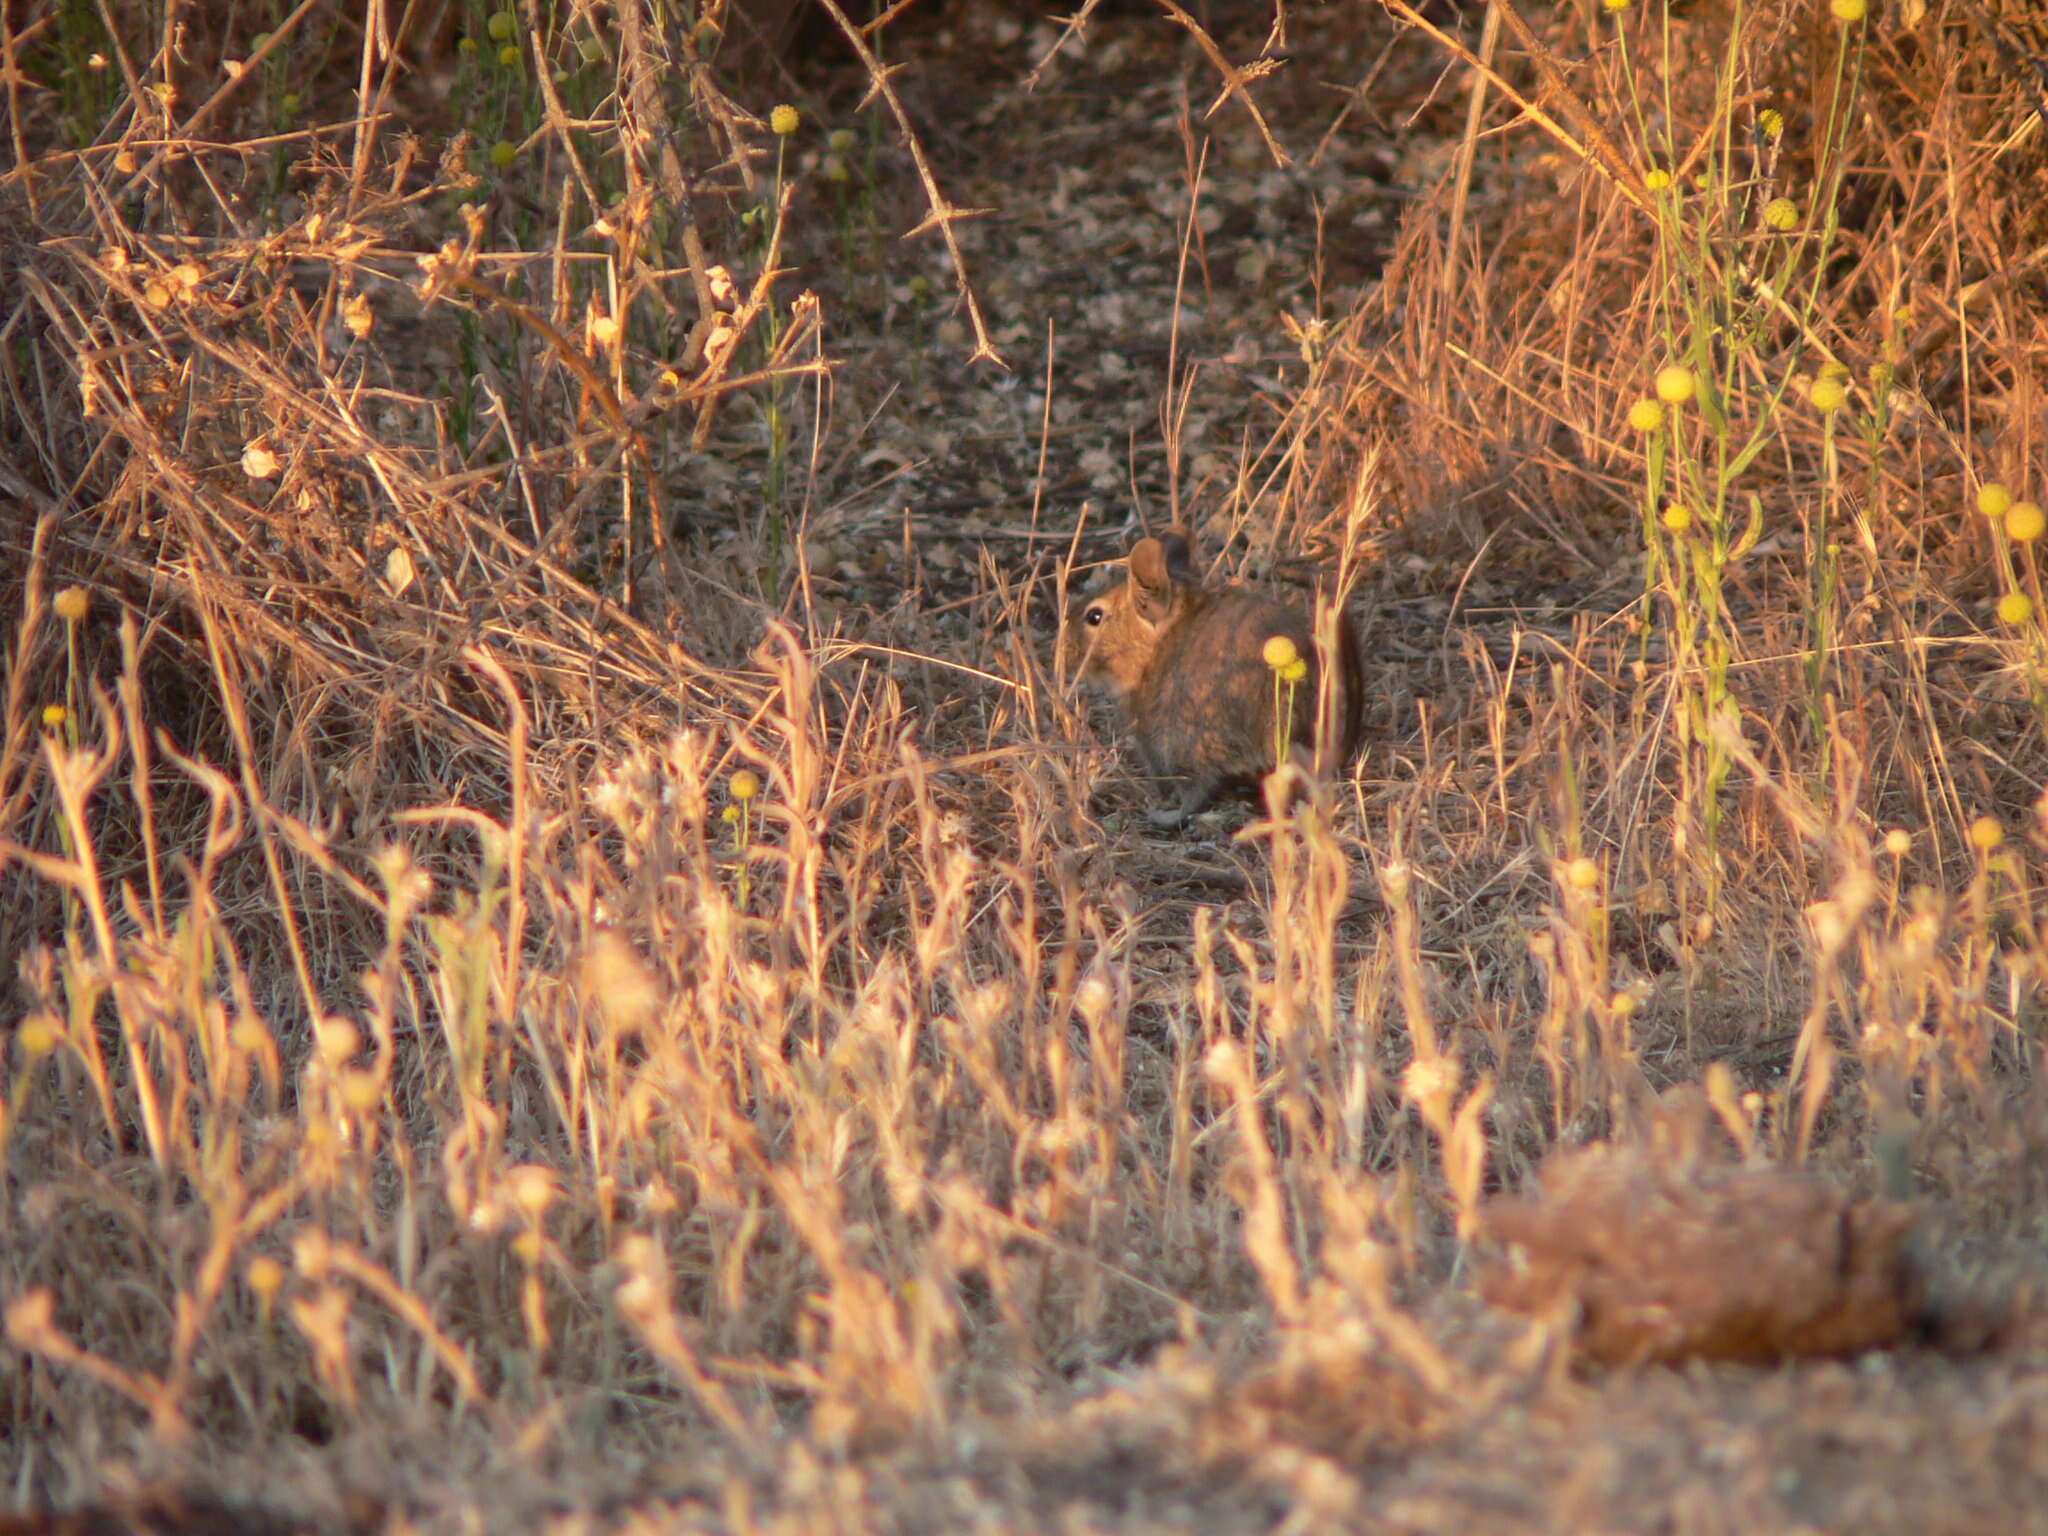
(1187, 663)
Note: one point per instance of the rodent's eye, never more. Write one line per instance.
(1095, 615)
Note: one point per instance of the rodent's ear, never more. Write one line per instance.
(1151, 564)
(1147, 561)
(1180, 563)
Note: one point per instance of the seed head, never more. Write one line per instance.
(2024, 522)
(1986, 834)
(1646, 415)
(1994, 500)
(1828, 395)
(1280, 653)
(2015, 608)
(72, 604)
(361, 1090)
(1781, 214)
(784, 120)
(259, 460)
(531, 1187)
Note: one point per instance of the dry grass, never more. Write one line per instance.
(529, 1009)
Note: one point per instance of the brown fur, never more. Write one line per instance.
(1186, 662)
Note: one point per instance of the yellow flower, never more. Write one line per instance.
(1677, 517)
(39, 1034)
(1781, 214)
(783, 121)
(1675, 385)
(1616, 6)
(1646, 415)
(503, 153)
(266, 1275)
(1847, 10)
(1994, 499)
(501, 26)
(2015, 607)
(508, 56)
(746, 784)
(1986, 834)
(1296, 671)
(72, 604)
(54, 715)
(2024, 522)
(1828, 395)
(1582, 874)
(1898, 842)
(1772, 121)
(1658, 179)
(1280, 653)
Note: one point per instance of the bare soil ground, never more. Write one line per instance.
(1026, 1169)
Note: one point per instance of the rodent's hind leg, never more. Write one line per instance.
(1200, 790)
